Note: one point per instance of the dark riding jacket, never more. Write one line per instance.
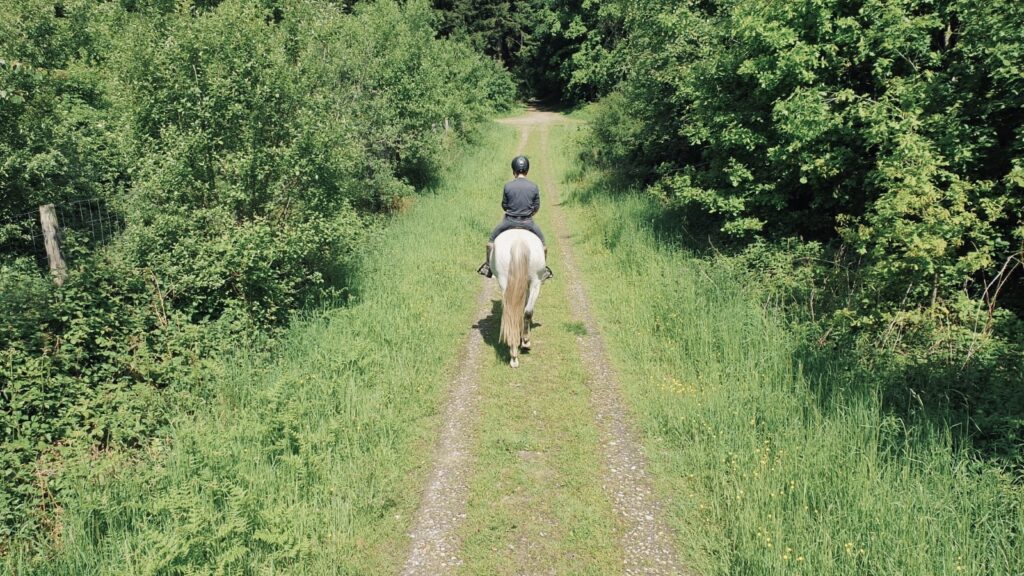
(520, 200)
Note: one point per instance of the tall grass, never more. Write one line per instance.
(770, 464)
(309, 462)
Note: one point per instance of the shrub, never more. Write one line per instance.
(246, 148)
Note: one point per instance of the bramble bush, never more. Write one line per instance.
(246, 146)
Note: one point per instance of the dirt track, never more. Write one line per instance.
(647, 545)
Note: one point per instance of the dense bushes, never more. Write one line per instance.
(243, 148)
(889, 134)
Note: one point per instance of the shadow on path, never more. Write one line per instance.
(490, 330)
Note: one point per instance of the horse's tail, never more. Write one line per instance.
(513, 301)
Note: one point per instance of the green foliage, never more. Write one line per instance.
(779, 455)
(303, 459)
(246, 147)
(55, 140)
(82, 366)
(887, 134)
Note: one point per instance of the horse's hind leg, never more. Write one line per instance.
(531, 301)
(526, 330)
(514, 362)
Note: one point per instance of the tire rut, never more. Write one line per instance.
(646, 541)
(435, 547)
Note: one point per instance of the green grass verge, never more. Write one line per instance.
(762, 473)
(310, 463)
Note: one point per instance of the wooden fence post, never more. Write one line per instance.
(51, 239)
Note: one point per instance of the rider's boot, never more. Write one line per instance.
(485, 268)
(547, 274)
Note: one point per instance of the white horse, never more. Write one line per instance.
(518, 263)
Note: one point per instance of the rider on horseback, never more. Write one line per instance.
(521, 200)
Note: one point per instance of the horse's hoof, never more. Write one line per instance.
(526, 346)
(514, 363)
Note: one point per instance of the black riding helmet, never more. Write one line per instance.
(520, 165)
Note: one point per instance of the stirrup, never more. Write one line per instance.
(547, 274)
(484, 270)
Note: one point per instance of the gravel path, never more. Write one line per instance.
(646, 541)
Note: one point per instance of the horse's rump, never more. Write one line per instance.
(517, 262)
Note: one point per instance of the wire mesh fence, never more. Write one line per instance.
(86, 223)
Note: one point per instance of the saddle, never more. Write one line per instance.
(485, 270)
